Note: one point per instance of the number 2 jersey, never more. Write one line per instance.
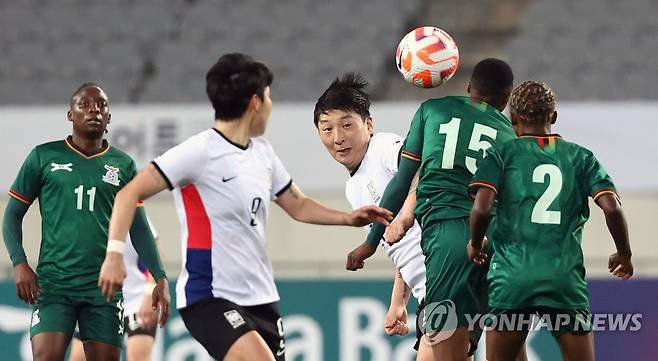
(542, 185)
(366, 186)
(76, 193)
(222, 192)
(449, 136)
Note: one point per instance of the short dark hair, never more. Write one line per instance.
(533, 101)
(345, 93)
(84, 85)
(231, 83)
(492, 77)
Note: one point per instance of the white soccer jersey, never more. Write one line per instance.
(222, 193)
(366, 186)
(137, 277)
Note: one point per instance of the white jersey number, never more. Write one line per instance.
(477, 144)
(79, 191)
(540, 213)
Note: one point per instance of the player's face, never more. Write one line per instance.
(346, 136)
(90, 112)
(263, 114)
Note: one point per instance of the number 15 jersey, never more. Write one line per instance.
(449, 136)
(222, 192)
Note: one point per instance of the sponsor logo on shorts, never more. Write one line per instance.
(35, 318)
(234, 318)
(119, 306)
(439, 322)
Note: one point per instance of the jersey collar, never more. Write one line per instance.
(105, 147)
(240, 146)
(539, 135)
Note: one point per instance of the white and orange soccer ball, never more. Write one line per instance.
(427, 57)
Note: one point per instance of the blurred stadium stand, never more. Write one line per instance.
(589, 49)
(152, 51)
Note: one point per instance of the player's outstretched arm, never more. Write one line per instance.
(479, 221)
(147, 183)
(304, 209)
(619, 263)
(396, 318)
(27, 285)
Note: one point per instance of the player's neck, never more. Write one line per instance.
(236, 131)
(535, 129)
(87, 145)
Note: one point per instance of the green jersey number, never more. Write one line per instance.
(540, 213)
(79, 191)
(477, 144)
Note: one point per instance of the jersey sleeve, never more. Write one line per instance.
(27, 186)
(390, 152)
(413, 144)
(281, 179)
(182, 164)
(598, 180)
(489, 173)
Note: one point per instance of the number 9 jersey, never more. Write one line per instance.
(76, 193)
(449, 136)
(542, 185)
(223, 192)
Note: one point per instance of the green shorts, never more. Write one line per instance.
(557, 321)
(98, 320)
(452, 279)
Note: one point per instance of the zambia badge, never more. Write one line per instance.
(112, 175)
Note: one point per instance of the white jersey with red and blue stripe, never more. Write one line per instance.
(223, 192)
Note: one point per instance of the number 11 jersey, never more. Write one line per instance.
(223, 192)
(76, 193)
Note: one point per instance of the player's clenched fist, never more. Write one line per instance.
(620, 266)
(356, 258)
(113, 272)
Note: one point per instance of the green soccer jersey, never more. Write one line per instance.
(449, 136)
(542, 185)
(76, 193)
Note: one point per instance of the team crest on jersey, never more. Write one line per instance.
(373, 192)
(57, 166)
(112, 175)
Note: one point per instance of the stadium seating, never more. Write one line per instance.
(589, 49)
(150, 51)
(153, 51)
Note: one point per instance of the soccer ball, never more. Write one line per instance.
(427, 57)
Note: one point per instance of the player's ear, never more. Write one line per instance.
(68, 115)
(554, 117)
(255, 103)
(369, 125)
(468, 87)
